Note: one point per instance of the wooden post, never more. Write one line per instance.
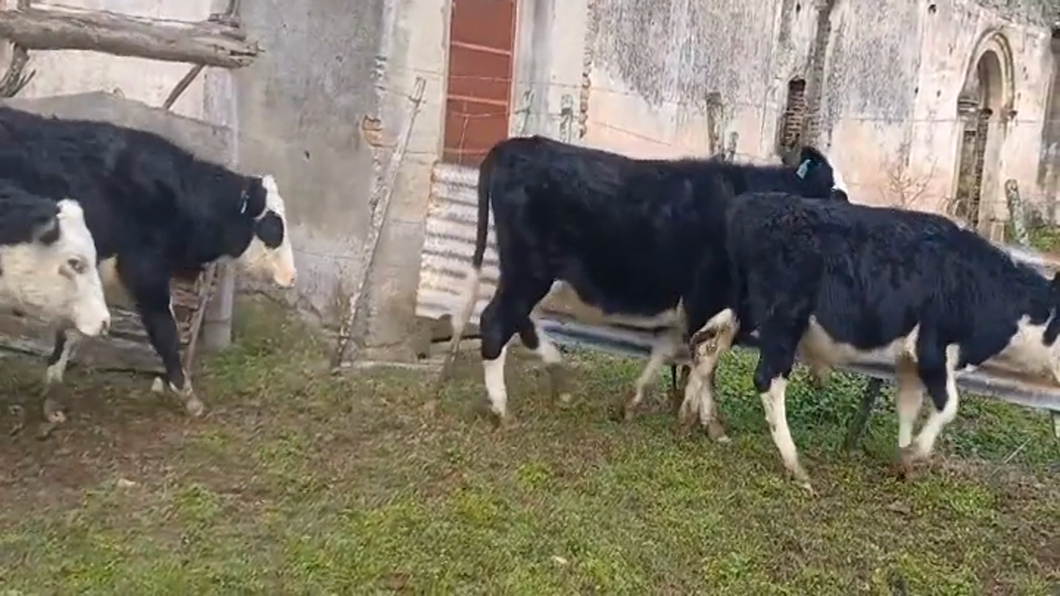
(211, 43)
(222, 107)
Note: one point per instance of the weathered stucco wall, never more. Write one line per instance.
(300, 104)
(889, 85)
(894, 98)
(656, 65)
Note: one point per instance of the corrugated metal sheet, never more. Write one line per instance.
(452, 216)
(450, 241)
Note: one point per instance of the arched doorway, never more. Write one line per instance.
(984, 107)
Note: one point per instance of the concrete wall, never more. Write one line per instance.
(323, 109)
(890, 80)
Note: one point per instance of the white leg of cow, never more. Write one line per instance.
(663, 347)
(937, 420)
(56, 370)
(776, 416)
(910, 400)
(493, 372)
(699, 398)
(553, 359)
(66, 339)
(707, 346)
(924, 443)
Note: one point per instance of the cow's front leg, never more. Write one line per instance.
(65, 341)
(151, 293)
(162, 330)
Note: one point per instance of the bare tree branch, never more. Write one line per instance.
(210, 43)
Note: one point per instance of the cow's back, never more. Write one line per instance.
(128, 181)
(616, 228)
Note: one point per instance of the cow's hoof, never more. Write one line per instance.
(905, 464)
(502, 421)
(676, 398)
(686, 421)
(802, 480)
(20, 419)
(630, 409)
(716, 432)
(629, 413)
(53, 375)
(194, 407)
(53, 412)
(557, 383)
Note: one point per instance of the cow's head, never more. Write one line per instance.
(821, 178)
(268, 254)
(53, 275)
(1033, 347)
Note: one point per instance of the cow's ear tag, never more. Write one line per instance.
(804, 167)
(245, 201)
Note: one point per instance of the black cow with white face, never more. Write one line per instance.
(629, 236)
(829, 283)
(154, 209)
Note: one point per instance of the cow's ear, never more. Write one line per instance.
(812, 155)
(45, 226)
(252, 200)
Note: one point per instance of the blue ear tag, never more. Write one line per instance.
(243, 204)
(804, 167)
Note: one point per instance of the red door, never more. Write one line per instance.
(478, 97)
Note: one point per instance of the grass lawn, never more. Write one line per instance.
(300, 483)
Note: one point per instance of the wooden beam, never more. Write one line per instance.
(210, 43)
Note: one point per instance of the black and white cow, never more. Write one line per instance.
(627, 235)
(154, 209)
(48, 261)
(830, 282)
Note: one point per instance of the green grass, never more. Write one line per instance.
(297, 482)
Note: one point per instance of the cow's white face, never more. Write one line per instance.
(54, 277)
(269, 254)
(1029, 351)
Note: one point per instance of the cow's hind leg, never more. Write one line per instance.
(707, 345)
(535, 339)
(936, 369)
(910, 400)
(779, 338)
(664, 347)
(507, 313)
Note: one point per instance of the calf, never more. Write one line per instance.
(154, 209)
(627, 235)
(48, 261)
(829, 283)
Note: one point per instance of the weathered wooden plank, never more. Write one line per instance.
(211, 43)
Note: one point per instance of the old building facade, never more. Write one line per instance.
(933, 104)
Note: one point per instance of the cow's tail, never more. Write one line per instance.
(473, 274)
